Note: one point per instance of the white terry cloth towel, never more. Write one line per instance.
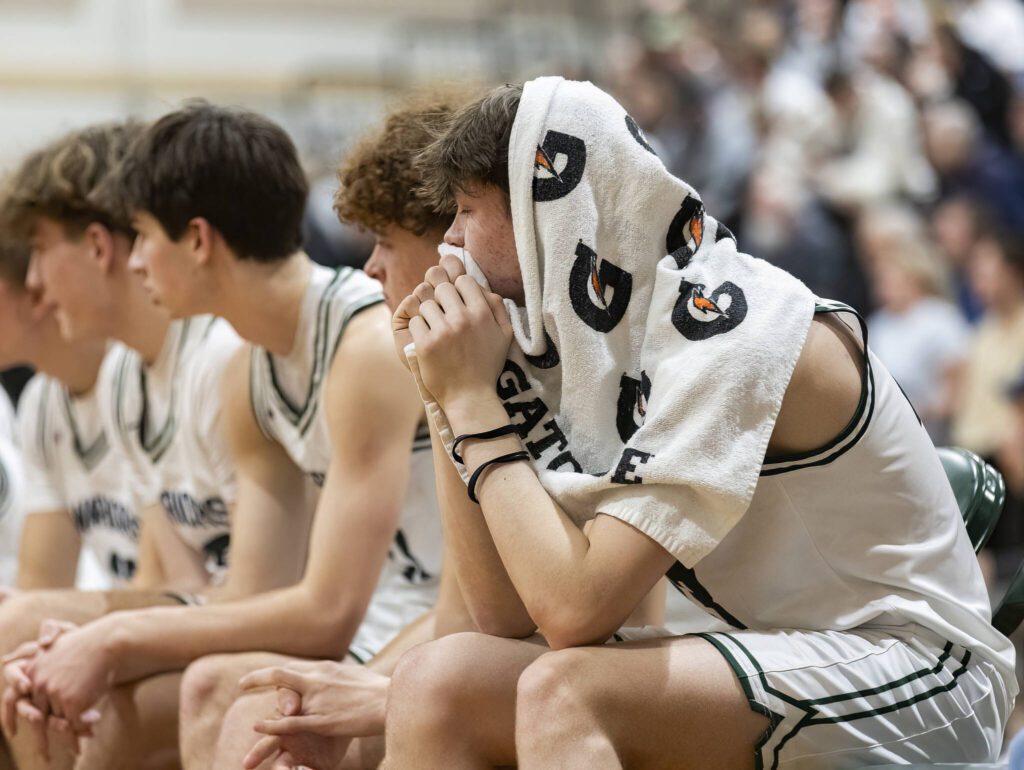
(652, 355)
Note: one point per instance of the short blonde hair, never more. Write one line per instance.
(65, 179)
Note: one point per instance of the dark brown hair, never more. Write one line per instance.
(64, 181)
(236, 169)
(378, 181)
(474, 148)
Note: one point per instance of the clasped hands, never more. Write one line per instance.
(54, 683)
(321, 706)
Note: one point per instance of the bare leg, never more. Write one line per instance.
(667, 703)
(452, 703)
(20, 619)
(139, 728)
(364, 753)
(208, 690)
(237, 737)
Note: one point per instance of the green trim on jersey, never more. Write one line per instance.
(5, 491)
(256, 396)
(42, 419)
(302, 416)
(808, 705)
(854, 429)
(89, 455)
(296, 414)
(155, 447)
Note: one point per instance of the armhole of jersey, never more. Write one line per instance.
(256, 400)
(5, 491)
(354, 309)
(42, 418)
(117, 396)
(858, 423)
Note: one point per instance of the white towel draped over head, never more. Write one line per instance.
(652, 355)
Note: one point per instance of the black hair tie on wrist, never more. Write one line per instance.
(512, 457)
(504, 430)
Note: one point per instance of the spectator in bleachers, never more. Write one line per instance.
(984, 416)
(789, 227)
(969, 164)
(974, 79)
(955, 224)
(879, 153)
(917, 332)
(996, 27)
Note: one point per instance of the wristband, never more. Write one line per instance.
(504, 430)
(513, 457)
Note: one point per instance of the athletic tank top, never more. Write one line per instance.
(287, 394)
(166, 420)
(11, 492)
(862, 532)
(70, 466)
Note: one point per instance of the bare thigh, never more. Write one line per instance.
(139, 728)
(663, 703)
(457, 695)
(244, 709)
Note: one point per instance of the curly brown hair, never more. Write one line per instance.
(65, 180)
(378, 180)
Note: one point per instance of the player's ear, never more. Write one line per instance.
(199, 237)
(100, 243)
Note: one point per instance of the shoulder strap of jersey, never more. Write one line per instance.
(258, 396)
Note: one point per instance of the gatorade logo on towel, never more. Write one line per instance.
(638, 134)
(589, 285)
(699, 315)
(558, 166)
(549, 359)
(686, 232)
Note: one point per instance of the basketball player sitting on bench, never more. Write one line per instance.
(319, 396)
(80, 247)
(717, 423)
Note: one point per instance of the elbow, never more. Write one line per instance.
(330, 630)
(568, 628)
(494, 622)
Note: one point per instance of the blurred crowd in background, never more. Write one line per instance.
(875, 149)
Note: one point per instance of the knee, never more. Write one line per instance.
(431, 685)
(204, 683)
(554, 692)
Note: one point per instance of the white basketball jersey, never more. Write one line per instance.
(70, 466)
(11, 492)
(166, 419)
(286, 396)
(865, 532)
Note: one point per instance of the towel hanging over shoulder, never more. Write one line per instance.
(652, 356)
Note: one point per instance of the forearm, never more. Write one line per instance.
(489, 594)
(543, 551)
(290, 622)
